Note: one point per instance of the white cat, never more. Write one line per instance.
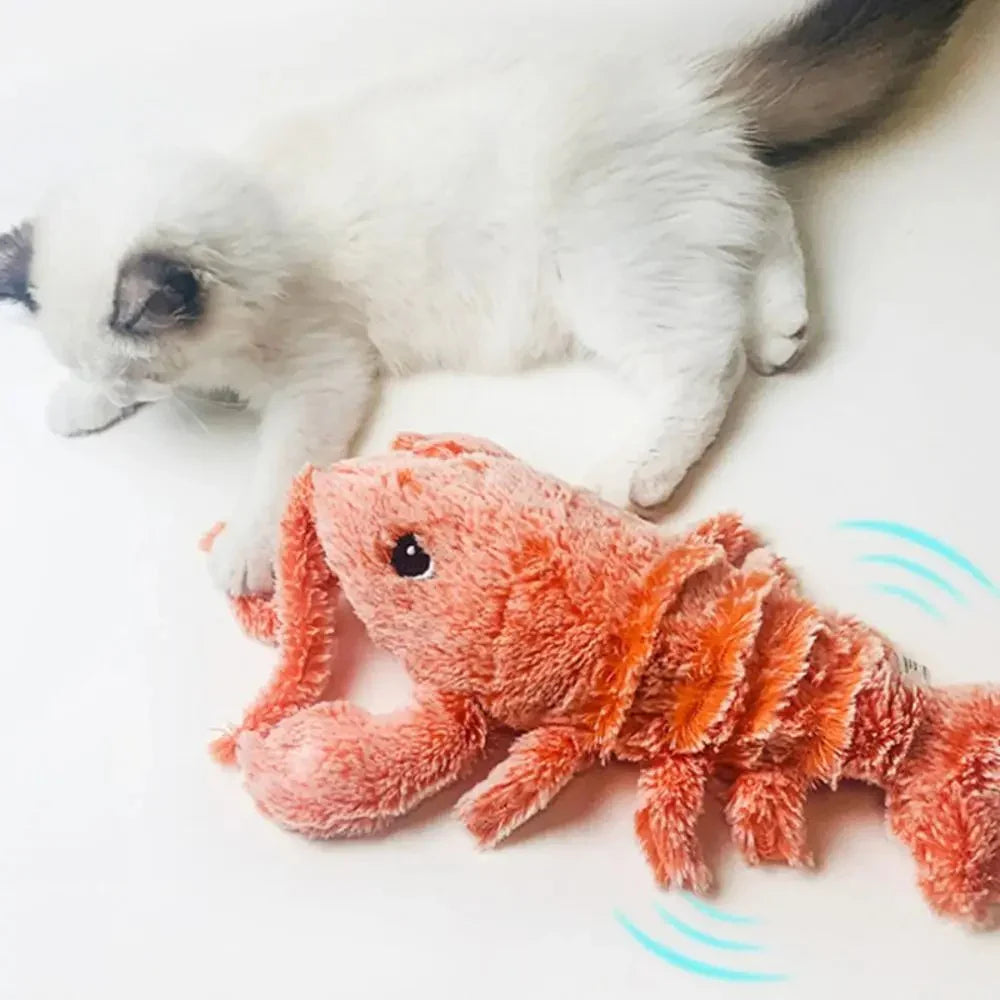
(613, 204)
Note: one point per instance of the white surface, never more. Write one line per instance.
(131, 866)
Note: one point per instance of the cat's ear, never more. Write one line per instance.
(156, 293)
(15, 264)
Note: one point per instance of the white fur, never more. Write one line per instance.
(484, 221)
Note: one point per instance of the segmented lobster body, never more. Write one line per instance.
(751, 675)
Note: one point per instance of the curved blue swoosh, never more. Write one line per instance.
(701, 937)
(710, 911)
(929, 542)
(918, 569)
(904, 593)
(692, 964)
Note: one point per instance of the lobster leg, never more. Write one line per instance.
(765, 812)
(671, 799)
(540, 764)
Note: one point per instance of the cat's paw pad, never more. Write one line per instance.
(241, 560)
(75, 409)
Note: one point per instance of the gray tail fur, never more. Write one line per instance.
(835, 70)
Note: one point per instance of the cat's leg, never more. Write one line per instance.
(312, 417)
(76, 408)
(674, 333)
(779, 330)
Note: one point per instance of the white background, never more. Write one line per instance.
(131, 866)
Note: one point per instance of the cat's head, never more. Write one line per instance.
(141, 278)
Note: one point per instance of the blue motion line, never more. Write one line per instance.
(700, 936)
(918, 570)
(915, 599)
(691, 964)
(929, 542)
(710, 911)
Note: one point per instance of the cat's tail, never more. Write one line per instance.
(834, 70)
(945, 802)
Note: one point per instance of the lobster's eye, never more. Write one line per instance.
(409, 559)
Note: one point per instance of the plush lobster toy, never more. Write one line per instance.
(516, 601)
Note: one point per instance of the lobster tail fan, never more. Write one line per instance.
(945, 803)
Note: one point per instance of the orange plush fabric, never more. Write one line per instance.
(517, 601)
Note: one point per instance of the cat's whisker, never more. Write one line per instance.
(186, 410)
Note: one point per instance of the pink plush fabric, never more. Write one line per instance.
(516, 601)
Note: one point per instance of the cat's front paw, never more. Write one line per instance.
(241, 560)
(781, 327)
(654, 481)
(778, 350)
(75, 408)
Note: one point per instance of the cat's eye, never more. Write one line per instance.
(156, 294)
(409, 559)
